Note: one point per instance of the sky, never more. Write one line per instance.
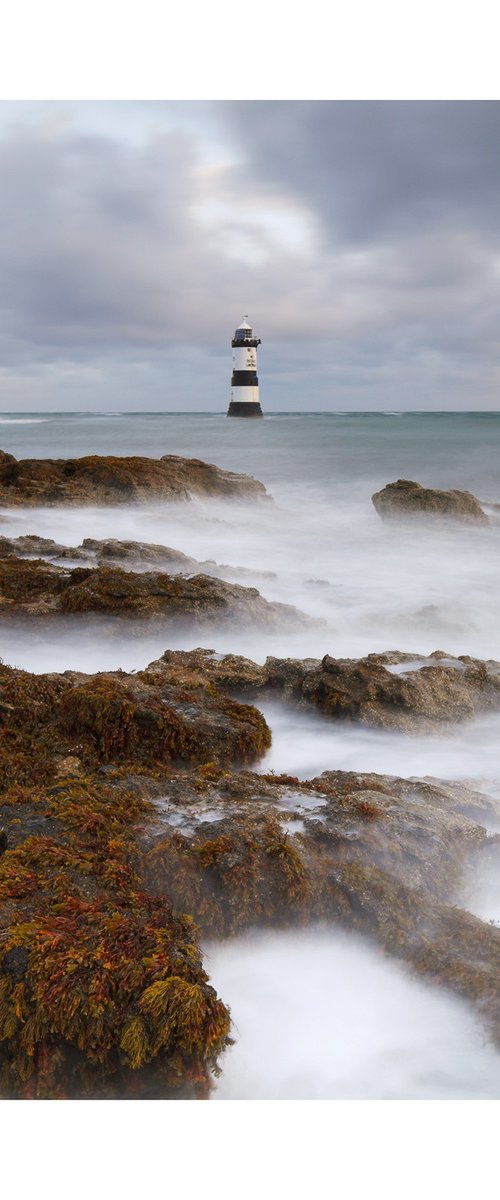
(361, 237)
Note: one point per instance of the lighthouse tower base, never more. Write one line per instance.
(244, 408)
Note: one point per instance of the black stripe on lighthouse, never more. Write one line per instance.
(244, 378)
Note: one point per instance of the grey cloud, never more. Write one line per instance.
(109, 261)
(373, 168)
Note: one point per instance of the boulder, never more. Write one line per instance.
(405, 498)
(99, 479)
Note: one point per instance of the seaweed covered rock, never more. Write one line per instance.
(45, 719)
(386, 857)
(102, 989)
(405, 498)
(33, 587)
(99, 479)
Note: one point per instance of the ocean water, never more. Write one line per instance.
(371, 586)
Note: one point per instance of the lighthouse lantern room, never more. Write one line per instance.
(244, 382)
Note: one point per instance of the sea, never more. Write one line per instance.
(371, 586)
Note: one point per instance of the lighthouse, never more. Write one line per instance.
(244, 382)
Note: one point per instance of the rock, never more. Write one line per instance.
(31, 546)
(140, 553)
(15, 963)
(6, 458)
(30, 586)
(230, 672)
(431, 691)
(393, 690)
(405, 498)
(36, 588)
(127, 554)
(386, 857)
(99, 479)
(76, 722)
(82, 939)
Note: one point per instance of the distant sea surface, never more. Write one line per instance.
(318, 450)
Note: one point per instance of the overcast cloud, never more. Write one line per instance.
(362, 238)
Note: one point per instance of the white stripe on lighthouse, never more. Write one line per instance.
(248, 393)
(244, 358)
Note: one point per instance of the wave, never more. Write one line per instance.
(23, 420)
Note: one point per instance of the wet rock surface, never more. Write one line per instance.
(34, 587)
(97, 479)
(405, 498)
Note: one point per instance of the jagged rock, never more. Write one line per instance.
(392, 690)
(98, 479)
(229, 672)
(430, 690)
(405, 498)
(37, 588)
(6, 458)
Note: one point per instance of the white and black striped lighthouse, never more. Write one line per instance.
(244, 382)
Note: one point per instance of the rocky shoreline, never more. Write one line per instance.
(126, 834)
(134, 821)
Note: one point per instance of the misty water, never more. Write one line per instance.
(370, 586)
(320, 1015)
